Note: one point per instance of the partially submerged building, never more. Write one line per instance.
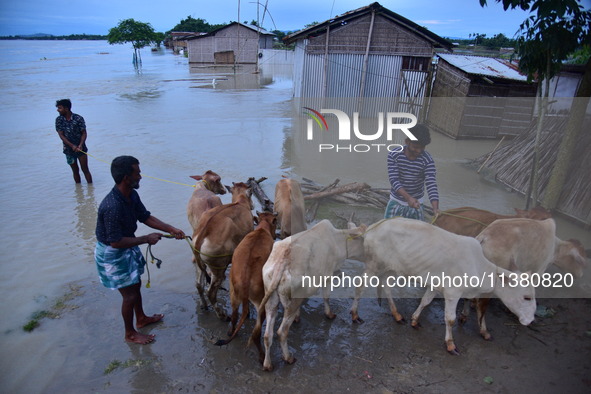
(480, 97)
(365, 53)
(235, 43)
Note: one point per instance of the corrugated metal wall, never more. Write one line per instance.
(384, 79)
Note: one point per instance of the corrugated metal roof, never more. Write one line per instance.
(486, 66)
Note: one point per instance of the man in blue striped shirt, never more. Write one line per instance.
(410, 170)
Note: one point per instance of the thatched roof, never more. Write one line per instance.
(512, 164)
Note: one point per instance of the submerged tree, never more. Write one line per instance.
(139, 34)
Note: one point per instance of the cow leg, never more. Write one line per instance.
(355, 306)
(256, 332)
(216, 282)
(327, 312)
(200, 284)
(426, 300)
(450, 319)
(481, 306)
(292, 308)
(397, 316)
(235, 305)
(271, 312)
(465, 311)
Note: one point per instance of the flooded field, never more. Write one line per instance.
(181, 121)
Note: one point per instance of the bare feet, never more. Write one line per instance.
(149, 320)
(138, 337)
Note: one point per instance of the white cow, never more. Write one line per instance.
(526, 245)
(316, 252)
(410, 247)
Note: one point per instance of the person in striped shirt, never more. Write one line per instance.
(410, 170)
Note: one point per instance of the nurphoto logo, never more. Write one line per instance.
(393, 121)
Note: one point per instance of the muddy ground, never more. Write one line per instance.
(552, 355)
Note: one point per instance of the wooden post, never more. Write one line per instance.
(325, 71)
(365, 61)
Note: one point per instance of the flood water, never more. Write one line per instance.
(178, 122)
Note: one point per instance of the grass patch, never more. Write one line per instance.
(61, 305)
(115, 364)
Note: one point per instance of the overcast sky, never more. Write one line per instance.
(448, 18)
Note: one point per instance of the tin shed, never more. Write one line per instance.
(367, 52)
(479, 97)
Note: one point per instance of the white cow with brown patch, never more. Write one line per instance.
(526, 245)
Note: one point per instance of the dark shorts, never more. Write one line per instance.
(71, 156)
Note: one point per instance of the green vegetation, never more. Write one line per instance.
(52, 37)
(493, 43)
(113, 365)
(195, 25)
(60, 305)
(139, 34)
(555, 30)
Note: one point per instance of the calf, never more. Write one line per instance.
(412, 247)
(526, 245)
(471, 221)
(316, 252)
(246, 275)
(289, 205)
(219, 231)
(204, 197)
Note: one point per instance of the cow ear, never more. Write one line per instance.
(255, 219)
(197, 177)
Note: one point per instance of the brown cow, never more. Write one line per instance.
(204, 197)
(246, 275)
(220, 230)
(471, 221)
(289, 205)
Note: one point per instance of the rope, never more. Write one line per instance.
(143, 175)
(153, 259)
(459, 216)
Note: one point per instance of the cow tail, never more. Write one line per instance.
(245, 311)
(275, 280)
(197, 256)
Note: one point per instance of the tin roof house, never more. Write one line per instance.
(479, 97)
(370, 52)
(234, 43)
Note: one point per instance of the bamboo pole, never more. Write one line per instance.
(491, 153)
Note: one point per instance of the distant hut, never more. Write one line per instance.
(364, 53)
(512, 165)
(230, 44)
(178, 40)
(479, 97)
